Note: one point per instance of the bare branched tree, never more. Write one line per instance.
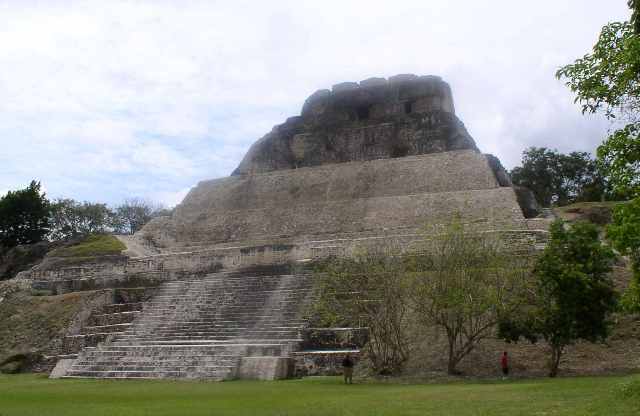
(463, 282)
(369, 290)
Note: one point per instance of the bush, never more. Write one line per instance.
(18, 363)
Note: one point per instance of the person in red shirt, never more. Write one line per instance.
(504, 363)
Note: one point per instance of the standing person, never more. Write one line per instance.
(347, 369)
(504, 363)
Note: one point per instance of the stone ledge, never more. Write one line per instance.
(265, 368)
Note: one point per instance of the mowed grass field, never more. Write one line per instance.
(26, 395)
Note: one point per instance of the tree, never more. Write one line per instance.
(134, 213)
(620, 157)
(624, 232)
(463, 283)
(70, 218)
(634, 5)
(608, 81)
(24, 216)
(573, 294)
(370, 289)
(560, 179)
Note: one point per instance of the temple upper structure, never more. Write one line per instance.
(375, 119)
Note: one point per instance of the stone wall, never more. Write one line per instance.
(154, 270)
(333, 339)
(319, 202)
(353, 216)
(322, 363)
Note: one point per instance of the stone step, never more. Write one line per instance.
(145, 374)
(208, 327)
(122, 307)
(212, 337)
(186, 360)
(212, 316)
(105, 329)
(220, 297)
(113, 318)
(153, 367)
(160, 332)
(193, 347)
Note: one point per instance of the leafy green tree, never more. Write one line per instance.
(620, 157)
(24, 216)
(635, 16)
(573, 294)
(624, 232)
(560, 179)
(70, 218)
(608, 80)
(462, 283)
(369, 289)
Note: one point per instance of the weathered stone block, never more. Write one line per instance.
(61, 368)
(266, 368)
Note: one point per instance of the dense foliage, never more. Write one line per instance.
(24, 216)
(70, 218)
(624, 232)
(573, 294)
(560, 179)
(608, 80)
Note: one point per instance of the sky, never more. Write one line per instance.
(107, 100)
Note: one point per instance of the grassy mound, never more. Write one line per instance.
(29, 323)
(91, 246)
(27, 395)
(596, 212)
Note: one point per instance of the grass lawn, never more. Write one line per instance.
(92, 245)
(26, 395)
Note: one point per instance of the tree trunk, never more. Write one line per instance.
(453, 359)
(556, 353)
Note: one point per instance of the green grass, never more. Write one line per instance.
(93, 245)
(27, 395)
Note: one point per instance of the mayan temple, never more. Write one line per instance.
(220, 290)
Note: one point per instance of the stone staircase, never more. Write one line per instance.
(202, 328)
(108, 321)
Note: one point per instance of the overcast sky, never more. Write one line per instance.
(106, 100)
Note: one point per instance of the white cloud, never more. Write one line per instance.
(105, 100)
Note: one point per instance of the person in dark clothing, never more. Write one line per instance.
(504, 364)
(347, 369)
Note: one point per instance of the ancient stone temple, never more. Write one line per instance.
(364, 163)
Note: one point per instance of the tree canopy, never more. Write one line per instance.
(608, 81)
(70, 218)
(24, 216)
(624, 232)
(560, 179)
(573, 294)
